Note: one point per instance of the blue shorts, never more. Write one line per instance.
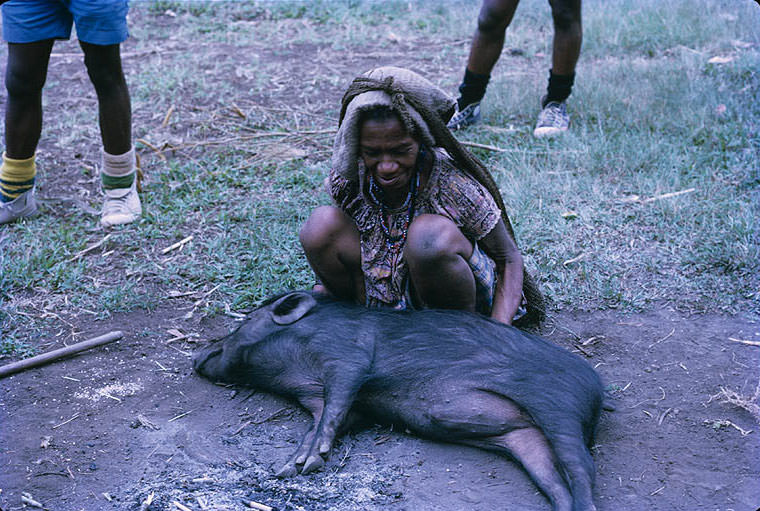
(484, 271)
(102, 22)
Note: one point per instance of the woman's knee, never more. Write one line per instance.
(325, 226)
(433, 238)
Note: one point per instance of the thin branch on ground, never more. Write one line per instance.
(748, 403)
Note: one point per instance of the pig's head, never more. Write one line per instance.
(234, 357)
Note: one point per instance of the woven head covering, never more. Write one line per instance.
(424, 110)
(393, 87)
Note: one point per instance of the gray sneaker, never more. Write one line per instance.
(22, 206)
(121, 206)
(552, 120)
(468, 116)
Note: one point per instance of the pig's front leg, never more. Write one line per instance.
(315, 405)
(340, 392)
(341, 384)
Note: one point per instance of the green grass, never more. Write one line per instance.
(667, 135)
(650, 116)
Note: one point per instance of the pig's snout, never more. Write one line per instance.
(204, 359)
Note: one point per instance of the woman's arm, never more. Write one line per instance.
(500, 247)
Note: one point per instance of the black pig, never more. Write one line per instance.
(446, 375)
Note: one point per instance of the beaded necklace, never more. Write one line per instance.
(395, 243)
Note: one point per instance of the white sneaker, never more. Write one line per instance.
(121, 206)
(22, 206)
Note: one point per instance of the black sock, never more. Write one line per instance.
(559, 88)
(473, 88)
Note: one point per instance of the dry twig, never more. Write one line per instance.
(484, 146)
(147, 502)
(180, 416)
(152, 147)
(168, 115)
(88, 249)
(744, 341)
(27, 499)
(717, 424)
(662, 416)
(574, 260)
(66, 422)
(179, 244)
(664, 338)
(668, 195)
(258, 506)
(748, 403)
(236, 110)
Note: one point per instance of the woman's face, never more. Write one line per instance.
(389, 153)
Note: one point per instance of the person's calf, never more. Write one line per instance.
(23, 112)
(114, 107)
(331, 243)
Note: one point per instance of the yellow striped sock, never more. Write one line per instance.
(16, 177)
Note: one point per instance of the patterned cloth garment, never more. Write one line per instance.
(448, 192)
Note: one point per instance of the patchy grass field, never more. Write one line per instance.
(645, 213)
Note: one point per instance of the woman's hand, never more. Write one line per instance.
(500, 247)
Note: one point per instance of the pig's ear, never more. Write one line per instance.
(292, 307)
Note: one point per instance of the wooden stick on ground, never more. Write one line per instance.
(50, 356)
(743, 341)
(88, 249)
(29, 501)
(179, 244)
(147, 502)
(484, 146)
(669, 195)
(167, 117)
(258, 506)
(152, 147)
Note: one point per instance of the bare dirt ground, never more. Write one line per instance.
(108, 428)
(113, 426)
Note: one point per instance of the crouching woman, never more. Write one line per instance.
(418, 222)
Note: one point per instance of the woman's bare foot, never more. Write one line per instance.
(321, 289)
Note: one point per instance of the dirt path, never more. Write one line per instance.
(144, 424)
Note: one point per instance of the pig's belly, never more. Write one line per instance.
(445, 412)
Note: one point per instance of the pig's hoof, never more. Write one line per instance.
(289, 470)
(312, 463)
